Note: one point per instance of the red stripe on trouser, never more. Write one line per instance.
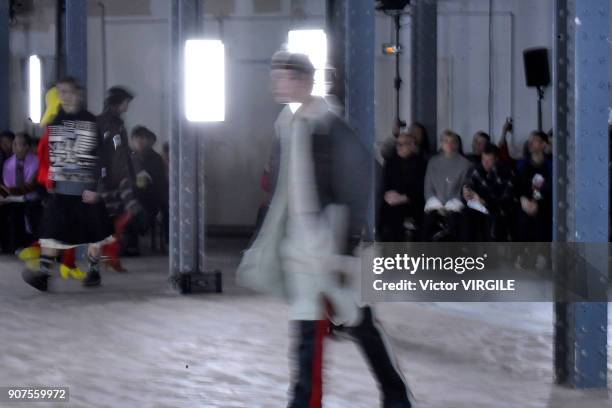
(316, 395)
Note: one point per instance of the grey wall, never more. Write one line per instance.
(137, 56)
(238, 149)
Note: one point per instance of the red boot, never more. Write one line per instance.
(111, 251)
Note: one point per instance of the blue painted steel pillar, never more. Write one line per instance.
(335, 28)
(184, 193)
(76, 40)
(424, 66)
(580, 74)
(4, 66)
(360, 59)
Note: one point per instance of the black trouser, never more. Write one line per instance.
(488, 227)
(307, 383)
(308, 348)
(536, 228)
(33, 214)
(4, 232)
(391, 223)
(137, 226)
(129, 240)
(15, 220)
(455, 227)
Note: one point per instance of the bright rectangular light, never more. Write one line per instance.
(204, 81)
(313, 43)
(35, 88)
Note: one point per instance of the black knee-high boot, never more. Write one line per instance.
(380, 359)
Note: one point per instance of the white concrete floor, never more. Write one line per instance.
(135, 343)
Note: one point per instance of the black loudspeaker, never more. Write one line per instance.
(391, 5)
(537, 71)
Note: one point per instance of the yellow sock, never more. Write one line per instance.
(64, 271)
(77, 274)
(29, 253)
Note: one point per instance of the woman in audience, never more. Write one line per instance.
(418, 130)
(444, 180)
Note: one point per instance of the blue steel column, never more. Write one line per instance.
(360, 96)
(200, 164)
(581, 187)
(4, 66)
(183, 150)
(175, 84)
(76, 40)
(335, 28)
(424, 66)
(562, 103)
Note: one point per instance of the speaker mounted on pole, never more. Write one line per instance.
(537, 74)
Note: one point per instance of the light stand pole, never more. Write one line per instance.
(540, 90)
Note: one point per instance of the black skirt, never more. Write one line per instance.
(69, 221)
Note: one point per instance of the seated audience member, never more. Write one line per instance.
(417, 130)
(6, 147)
(401, 213)
(151, 186)
(21, 200)
(422, 137)
(444, 180)
(489, 194)
(387, 148)
(506, 157)
(549, 146)
(6, 142)
(534, 192)
(479, 141)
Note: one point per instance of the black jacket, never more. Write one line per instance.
(116, 150)
(405, 176)
(496, 188)
(119, 177)
(155, 195)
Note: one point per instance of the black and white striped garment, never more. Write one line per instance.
(75, 166)
(74, 144)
